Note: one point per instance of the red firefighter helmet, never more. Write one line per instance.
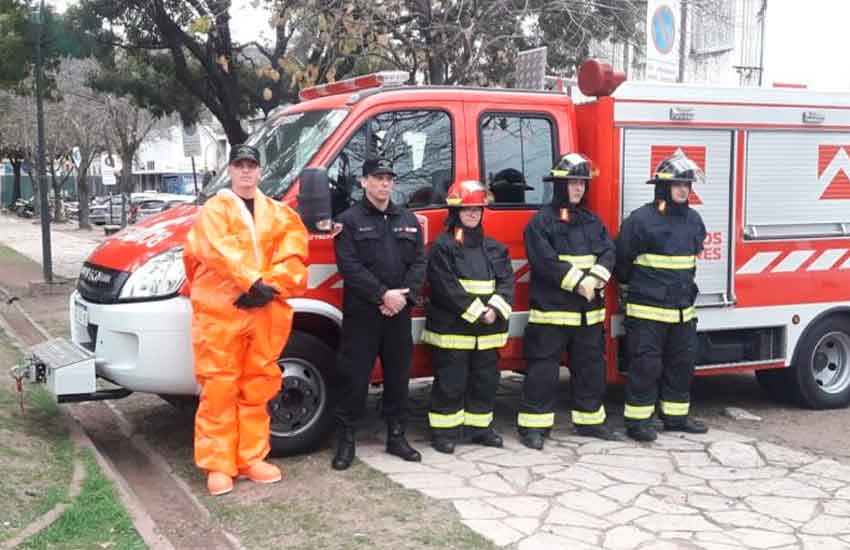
(468, 193)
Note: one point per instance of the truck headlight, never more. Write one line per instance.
(162, 275)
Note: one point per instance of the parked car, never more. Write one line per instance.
(99, 208)
(99, 212)
(160, 203)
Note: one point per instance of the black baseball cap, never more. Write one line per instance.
(244, 152)
(378, 166)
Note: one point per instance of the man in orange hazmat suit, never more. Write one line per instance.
(244, 257)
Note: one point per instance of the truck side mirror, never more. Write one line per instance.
(314, 200)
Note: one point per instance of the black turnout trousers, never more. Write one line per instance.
(366, 335)
(543, 347)
(660, 356)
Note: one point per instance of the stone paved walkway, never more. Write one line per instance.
(69, 247)
(718, 491)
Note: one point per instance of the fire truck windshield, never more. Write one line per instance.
(287, 143)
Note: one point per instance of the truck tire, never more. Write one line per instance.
(302, 414)
(820, 372)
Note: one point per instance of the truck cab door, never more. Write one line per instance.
(423, 141)
(515, 145)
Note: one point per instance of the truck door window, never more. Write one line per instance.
(517, 150)
(421, 147)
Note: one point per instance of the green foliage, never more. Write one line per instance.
(149, 78)
(19, 30)
(177, 54)
(95, 519)
(14, 43)
(170, 56)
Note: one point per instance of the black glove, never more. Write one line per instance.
(258, 295)
(263, 292)
(248, 301)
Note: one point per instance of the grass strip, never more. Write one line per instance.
(95, 519)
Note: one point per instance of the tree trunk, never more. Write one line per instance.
(126, 185)
(16, 179)
(436, 65)
(36, 194)
(57, 202)
(83, 198)
(55, 187)
(233, 129)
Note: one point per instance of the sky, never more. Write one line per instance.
(805, 43)
(808, 43)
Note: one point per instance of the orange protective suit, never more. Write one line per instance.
(236, 350)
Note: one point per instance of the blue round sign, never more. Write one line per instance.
(664, 29)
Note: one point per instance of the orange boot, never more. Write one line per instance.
(219, 483)
(262, 472)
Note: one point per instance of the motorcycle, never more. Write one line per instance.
(24, 208)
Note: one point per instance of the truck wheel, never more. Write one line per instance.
(821, 368)
(302, 413)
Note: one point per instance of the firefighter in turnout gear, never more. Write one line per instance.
(571, 257)
(472, 289)
(380, 253)
(657, 250)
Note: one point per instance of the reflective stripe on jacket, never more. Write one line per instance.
(656, 257)
(465, 279)
(561, 254)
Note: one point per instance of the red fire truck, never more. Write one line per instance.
(774, 277)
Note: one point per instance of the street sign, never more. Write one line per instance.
(663, 29)
(191, 140)
(530, 72)
(662, 40)
(107, 170)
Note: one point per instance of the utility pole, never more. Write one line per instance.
(683, 36)
(763, 16)
(47, 259)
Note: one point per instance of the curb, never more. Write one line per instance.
(143, 523)
(142, 446)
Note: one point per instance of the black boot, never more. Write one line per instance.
(486, 436)
(684, 424)
(397, 444)
(443, 444)
(443, 440)
(531, 438)
(344, 448)
(643, 432)
(599, 431)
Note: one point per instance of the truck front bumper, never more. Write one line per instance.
(141, 346)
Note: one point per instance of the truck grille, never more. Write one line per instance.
(101, 285)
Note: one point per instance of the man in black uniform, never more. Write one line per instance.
(571, 257)
(657, 250)
(381, 257)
